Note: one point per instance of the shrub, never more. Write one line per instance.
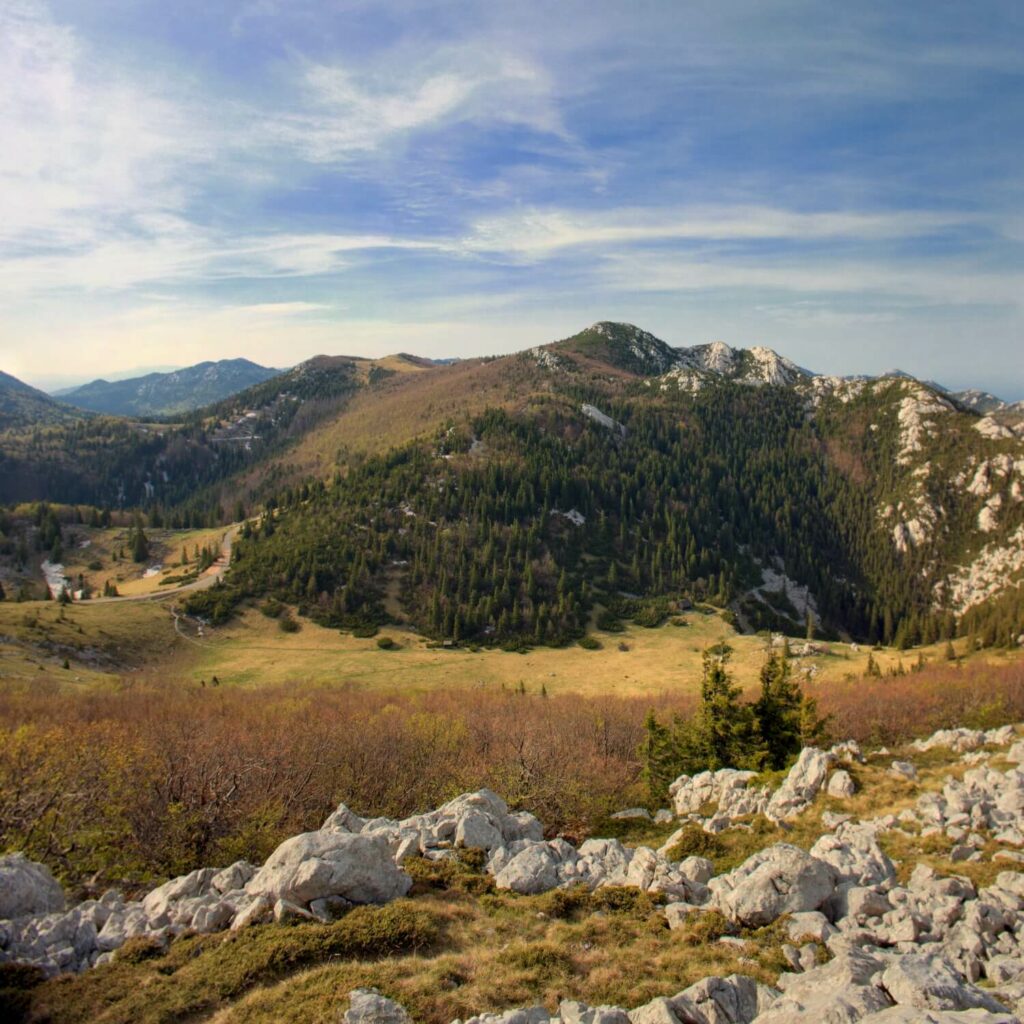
(287, 624)
(139, 949)
(542, 957)
(273, 608)
(387, 643)
(695, 842)
(651, 614)
(365, 631)
(609, 622)
(589, 643)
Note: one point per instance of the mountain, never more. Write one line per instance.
(609, 475)
(169, 394)
(516, 499)
(22, 405)
(196, 469)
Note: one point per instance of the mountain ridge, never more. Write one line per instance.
(171, 393)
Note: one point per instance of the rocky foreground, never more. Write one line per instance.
(860, 944)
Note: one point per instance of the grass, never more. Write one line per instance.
(101, 641)
(251, 651)
(444, 954)
(200, 974)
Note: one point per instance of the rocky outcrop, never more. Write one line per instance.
(313, 876)
(896, 949)
(857, 985)
(316, 865)
(529, 867)
(27, 888)
(782, 879)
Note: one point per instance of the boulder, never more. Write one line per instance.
(733, 1000)
(234, 877)
(930, 982)
(854, 855)
(532, 870)
(781, 879)
(840, 785)
(27, 887)
(841, 990)
(159, 904)
(801, 785)
(903, 770)
(313, 865)
(368, 1006)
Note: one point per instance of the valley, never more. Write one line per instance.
(576, 576)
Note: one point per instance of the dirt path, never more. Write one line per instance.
(207, 580)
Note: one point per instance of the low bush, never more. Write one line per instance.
(590, 643)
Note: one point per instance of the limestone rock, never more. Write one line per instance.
(27, 887)
(840, 785)
(781, 879)
(368, 1006)
(313, 865)
(801, 785)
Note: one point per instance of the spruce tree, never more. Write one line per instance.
(777, 712)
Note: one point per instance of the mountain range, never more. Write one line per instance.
(511, 499)
(168, 394)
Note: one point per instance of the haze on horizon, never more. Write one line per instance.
(274, 179)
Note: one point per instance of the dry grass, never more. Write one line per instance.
(475, 954)
(101, 642)
(252, 651)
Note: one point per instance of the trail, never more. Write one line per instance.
(212, 575)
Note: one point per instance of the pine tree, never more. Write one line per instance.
(657, 758)
(777, 712)
(723, 733)
(138, 542)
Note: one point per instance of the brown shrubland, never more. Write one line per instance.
(155, 779)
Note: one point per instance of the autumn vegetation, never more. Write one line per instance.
(150, 780)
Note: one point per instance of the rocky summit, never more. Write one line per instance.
(862, 936)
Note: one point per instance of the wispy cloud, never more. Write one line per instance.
(540, 232)
(346, 115)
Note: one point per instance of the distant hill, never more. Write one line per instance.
(22, 405)
(170, 394)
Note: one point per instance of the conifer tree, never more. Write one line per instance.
(777, 712)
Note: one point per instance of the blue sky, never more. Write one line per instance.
(272, 179)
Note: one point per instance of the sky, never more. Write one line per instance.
(280, 178)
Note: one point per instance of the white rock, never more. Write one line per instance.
(840, 785)
(781, 879)
(27, 887)
(368, 1006)
(327, 863)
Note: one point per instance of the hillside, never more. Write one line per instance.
(169, 394)
(22, 405)
(178, 470)
(605, 477)
(610, 475)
